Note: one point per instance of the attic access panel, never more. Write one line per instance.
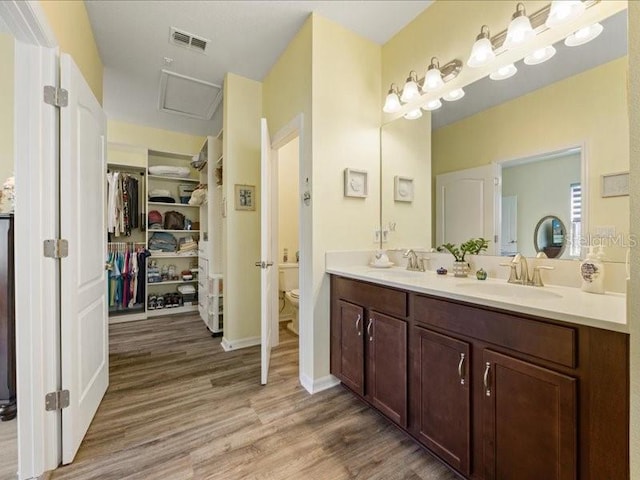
(188, 96)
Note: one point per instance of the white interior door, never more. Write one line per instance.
(84, 324)
(509, 225)
(268, 272)
(466, 203)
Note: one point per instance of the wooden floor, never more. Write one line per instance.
(179, 407)
(8, 449)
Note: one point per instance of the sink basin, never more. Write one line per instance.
(509, 291)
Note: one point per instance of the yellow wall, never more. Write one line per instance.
(346, 120)
(287, 95)
(288, 200)
(6, 107)
(406, 152)
(634, 305)
(568, 113)
(153, 138)
(70, 24)
(241, 151)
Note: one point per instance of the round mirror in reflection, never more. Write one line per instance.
(550, 236)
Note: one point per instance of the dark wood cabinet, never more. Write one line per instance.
(7, 321)
(441, 403)
(530, 421)
(496, 395)
(351, 358)
(368, 347)
(387, 365)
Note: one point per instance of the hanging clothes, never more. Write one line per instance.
(122, 203)
(126, 282)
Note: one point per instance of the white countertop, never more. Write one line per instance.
(566, 304)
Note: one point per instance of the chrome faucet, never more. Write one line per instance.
(414, 263)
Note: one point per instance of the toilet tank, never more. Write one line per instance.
(287, 276)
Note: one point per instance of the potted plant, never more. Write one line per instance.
(472, 246)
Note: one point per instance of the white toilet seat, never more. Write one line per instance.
(295, 293)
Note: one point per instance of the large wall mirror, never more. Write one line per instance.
(549, 133)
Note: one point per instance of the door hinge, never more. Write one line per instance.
(58, 97)
(495, 239)
(56, 248)
(496, 181)
(56, 400)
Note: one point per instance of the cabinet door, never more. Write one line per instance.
(529, 416)
(351, 346)
(386, 338)
(441, 396)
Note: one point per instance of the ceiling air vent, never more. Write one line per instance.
(188, 40)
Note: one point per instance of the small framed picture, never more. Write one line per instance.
(355, 183)
(402, 189)
(245, 197)
(615, 185)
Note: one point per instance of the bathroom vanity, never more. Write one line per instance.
(494, 392)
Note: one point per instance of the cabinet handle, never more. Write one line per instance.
(487, 390)
(369, 325)
(461, 368)
(357, 325)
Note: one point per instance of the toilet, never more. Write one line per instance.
(288, 284)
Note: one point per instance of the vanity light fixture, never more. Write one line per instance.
(482, 51)
(454, 95)
(540, 55)
(563, 11)
(584, 35)
(520, 30)
(433, 77)
(392, 102)
(410, 90)
(413, 114)
(432, 105)
(505, 72)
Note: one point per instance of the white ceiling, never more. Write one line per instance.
(247, 37)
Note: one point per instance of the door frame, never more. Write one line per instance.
(293, 129)
(541, 154)
(36, 219)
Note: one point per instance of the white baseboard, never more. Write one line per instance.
(315, 386)
(228, 345)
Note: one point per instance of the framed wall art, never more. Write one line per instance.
(402, 189)
(355, 183)
(245, 197)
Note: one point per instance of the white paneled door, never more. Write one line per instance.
(268, 273)
(84, 324)
(466, 204)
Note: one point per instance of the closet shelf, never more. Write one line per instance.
(173, 179)
(167, 204)
(173, 231)
(170, 282)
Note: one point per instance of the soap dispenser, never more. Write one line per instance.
(592, 272)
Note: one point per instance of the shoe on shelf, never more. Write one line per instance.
(160, 302)
(151, 302)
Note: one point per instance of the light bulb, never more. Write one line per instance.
(392, 102)
(413, 114)
(540, 55)
(584, 35)
(505, 72)
(433, 77)
(454, 95)
(410, 89)
(482, 50)
(520, 30)
(563, 11)
(432, 105)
